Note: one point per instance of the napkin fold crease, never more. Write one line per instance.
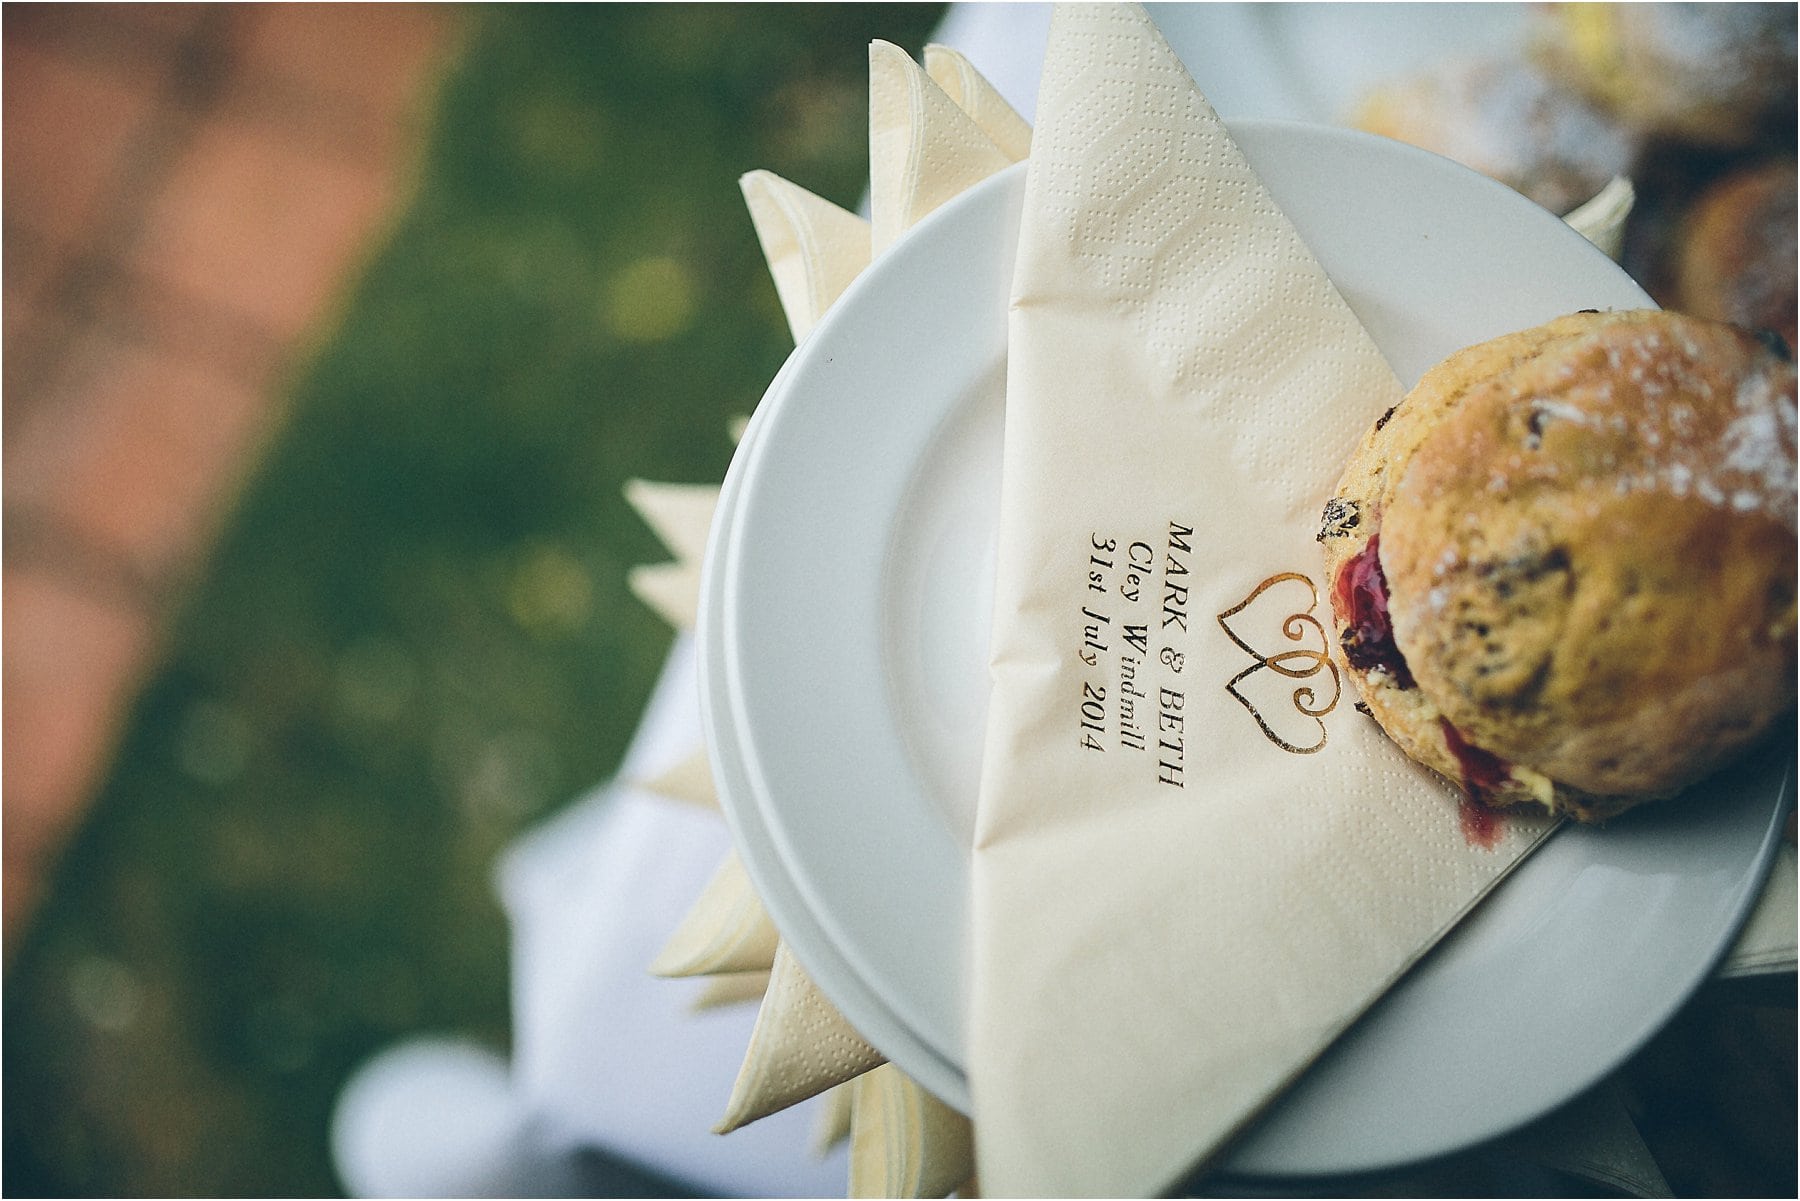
(836, 1116)
(952, 71)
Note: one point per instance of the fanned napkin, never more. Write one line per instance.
(727, 930)
(1767, 941)
(813, 247)
(952, 71)
(905, 1142)
(923, 149)
(1195, 862)
(688, 779)
(731, 988)
(799, 1040)
(681, 515)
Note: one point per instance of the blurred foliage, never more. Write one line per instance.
(416, 636)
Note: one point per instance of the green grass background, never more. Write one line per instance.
(416, 637)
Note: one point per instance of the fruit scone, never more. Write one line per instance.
(1563, 567)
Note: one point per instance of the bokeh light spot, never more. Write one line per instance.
(549, 591)
(375, 680)
(651, 300)
(513, 774)
(105, 993)
(212, 743)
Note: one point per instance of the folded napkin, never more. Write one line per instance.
(732, 988)
(904, 1142)
(1768, 940)
(952, 71)
(727, 930)
(799, 1041)
(813, 247)
(923, 148)
(681, 515)
(837, 1111)
(1195, 862)
(688, 779)
(801, 1046)
(1602, 219)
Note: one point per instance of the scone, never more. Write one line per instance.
(1737, 254)
(1508, 120)
(1706, 74)
(1563, 567)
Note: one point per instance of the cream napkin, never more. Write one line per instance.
(1602, 219)
(813, 247)
(1195, 862)
(727, 930)
(681, 515)
(904, 1142)
(1767, 941)
(799, 1041)
(923, 148)
(837, 1108)
(688, 779)
(731, 988)
(952, 71)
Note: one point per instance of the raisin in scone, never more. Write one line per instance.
(1563, 567)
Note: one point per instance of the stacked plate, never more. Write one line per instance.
(843, 633)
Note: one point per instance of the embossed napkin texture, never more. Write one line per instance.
(1196, 863)
(909, 174)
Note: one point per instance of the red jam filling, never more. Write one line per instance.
(1482, 773)
(1360, 597)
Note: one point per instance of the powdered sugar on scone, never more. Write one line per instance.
(1587, 532)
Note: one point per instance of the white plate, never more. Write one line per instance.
(847, 651)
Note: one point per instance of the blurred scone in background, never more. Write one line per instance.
(1694, 103)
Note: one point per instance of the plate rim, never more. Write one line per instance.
(768, 871)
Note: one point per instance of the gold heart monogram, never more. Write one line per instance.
(1302, 663)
